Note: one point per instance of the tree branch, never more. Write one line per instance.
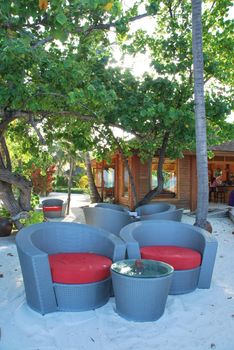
(13, 179)
(159, 189)
(206, 79)
(2, 164)
(212, 6)
(126, 163)
(14, 114)
(100, 26)
(6, 154)
(170, 9)
(42, 42)
(56, 94)
(34, 125)
(7, 118)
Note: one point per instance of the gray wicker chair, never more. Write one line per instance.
(154, 208)
(112, 206)
(174, 215)
(36, 242)
(53, 208)
(108, 219)
(51, 202)
(170, 233)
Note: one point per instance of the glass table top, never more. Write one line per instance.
(142, 268)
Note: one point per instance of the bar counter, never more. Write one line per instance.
(227, 189)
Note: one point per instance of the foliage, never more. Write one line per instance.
(4, 213)
(35, 200)
(63, 189)
(42, 183)
(164, 101)
(26, 152)
(60, 181)
(76, 78)
(35, 217)
(83, 182)
(50, 54)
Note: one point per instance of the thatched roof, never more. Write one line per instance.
(226, 146)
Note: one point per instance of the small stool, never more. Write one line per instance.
(221, 196)
(213, 193)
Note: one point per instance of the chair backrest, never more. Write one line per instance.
(52, 202)
(174, 215)
(153, 208)
(165, 232)
(108, 219)
(111, 206)
(66, 237)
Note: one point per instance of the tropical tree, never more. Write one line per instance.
(49, 57)
(94, 194)
(200, 116)
(170, 87)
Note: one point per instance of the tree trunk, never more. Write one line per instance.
(200, 116)
(156, 191)
(70, 185)
(126, 163)
(9, 202)
(131, 179)
(19, 206)
(94, 195)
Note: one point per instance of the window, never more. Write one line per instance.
(125, 182)
(109, 177)
(169, 174)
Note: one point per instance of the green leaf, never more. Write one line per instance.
(61, 18)
(60, 34)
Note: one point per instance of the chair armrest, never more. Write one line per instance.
(133, 248)
(119, 251)
(119, 246)
(208, 261)
(36, 275)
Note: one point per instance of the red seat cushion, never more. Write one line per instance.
(77, 268)
(180, 258)
(52, 208)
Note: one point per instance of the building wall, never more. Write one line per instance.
(142, 176)
(142, 173)
(186, 178)
(119, 181)
(183, 197)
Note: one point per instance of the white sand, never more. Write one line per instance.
(200, 320)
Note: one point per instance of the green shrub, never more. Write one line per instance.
(35, 200)
(4, 213)
(73, 190)
(35, 217)
(60, 181)
(83, 182)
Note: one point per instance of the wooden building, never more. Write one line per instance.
(180, 179)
